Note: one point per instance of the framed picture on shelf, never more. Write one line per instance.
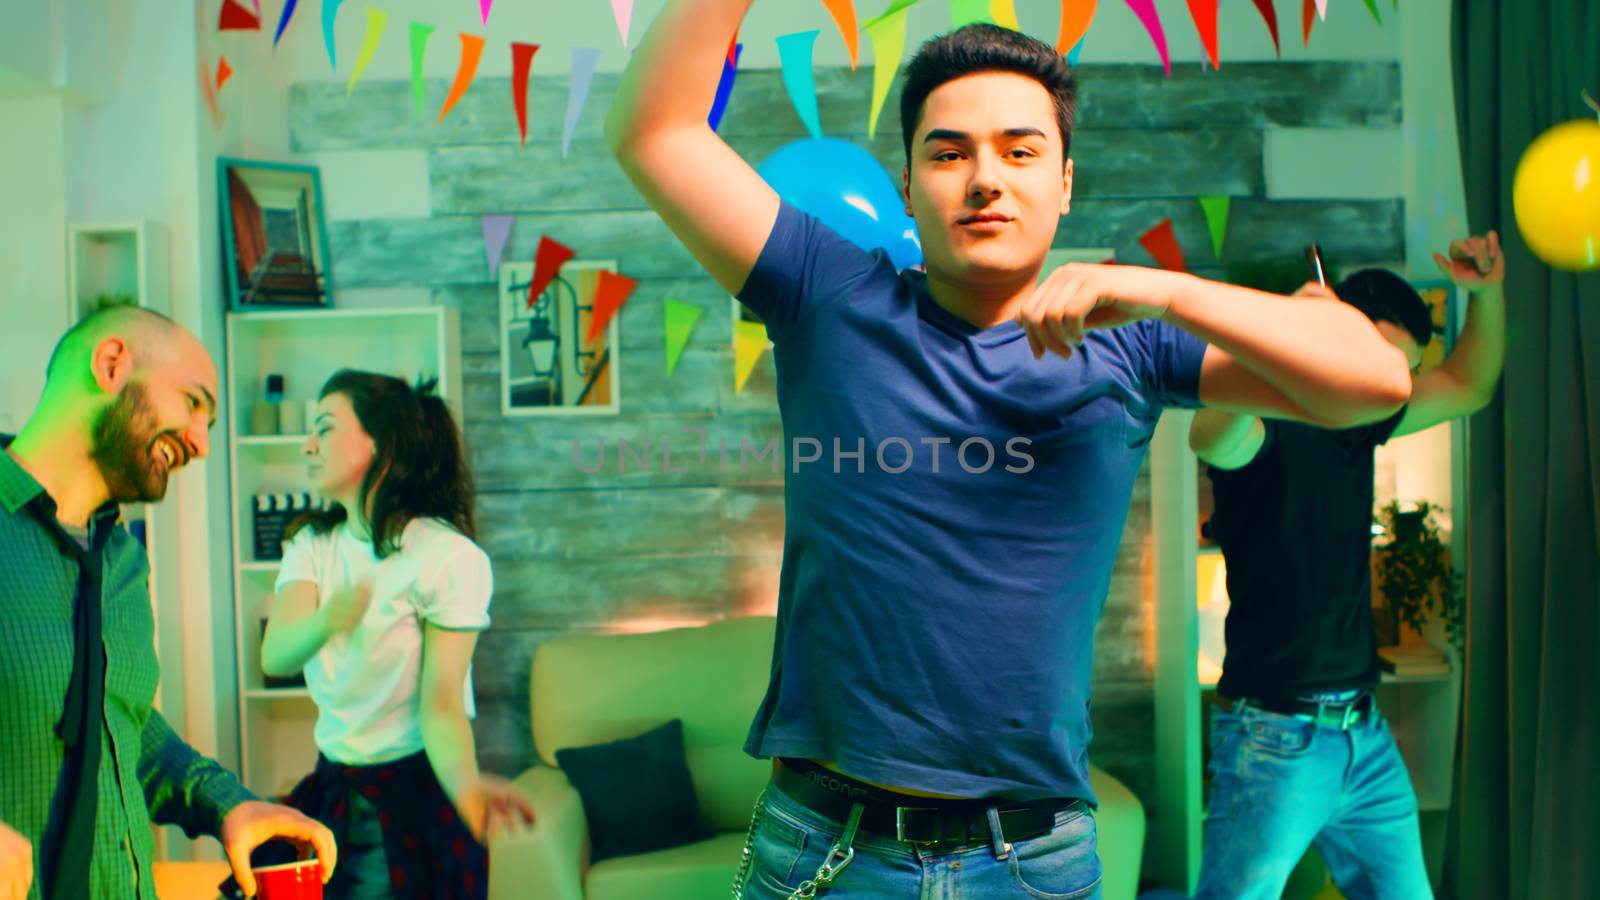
(548, 364)
(274, 239)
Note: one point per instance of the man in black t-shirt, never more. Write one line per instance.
(1299, 752)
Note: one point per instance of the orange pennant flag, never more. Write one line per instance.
(610, 293)
(471, 49)
(1075, 18)
(844, 15)
(224, 72)
(552, 255)
(1308, 14)
(1162, 244)
(1204, 13)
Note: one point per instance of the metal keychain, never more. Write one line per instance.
(838, 857)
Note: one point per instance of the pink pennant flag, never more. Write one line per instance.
(549, 259)
(483, 7)
(1146, 11)
(623, 11)
(1322, 10)
(610, 293)
(495, 231)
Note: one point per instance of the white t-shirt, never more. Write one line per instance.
(366, 683)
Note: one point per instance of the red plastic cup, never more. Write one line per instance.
(290, 881)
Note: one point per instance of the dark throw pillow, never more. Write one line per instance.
(636, 792)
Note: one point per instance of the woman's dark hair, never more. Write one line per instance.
(419, 469)
(1386, 297)
(982, 47)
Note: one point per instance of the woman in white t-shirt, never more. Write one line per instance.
(380, 600)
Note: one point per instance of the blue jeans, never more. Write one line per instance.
(1281, 784)
(788, 842)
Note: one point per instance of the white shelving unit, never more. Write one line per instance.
(306, 347)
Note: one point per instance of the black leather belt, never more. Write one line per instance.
(924, 821)
(1338, 715)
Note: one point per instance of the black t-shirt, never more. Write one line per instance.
(1295, 527)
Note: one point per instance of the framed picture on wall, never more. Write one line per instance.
(274, 239)
(548, 364)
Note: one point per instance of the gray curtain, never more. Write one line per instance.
(1525, 817)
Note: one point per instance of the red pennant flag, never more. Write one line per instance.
(237, 18)
(1308, 14)
(1162, 244)
(1204, 13)
(547, 262)
(610, 293)
(1271, 15)
(224, 72)
(521, 61)
(733, 49)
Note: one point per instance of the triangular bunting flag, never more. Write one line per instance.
(622, 11)
(1322, 10)
(1075, 52)
(237, 18)
(795, 50)
(610, 293)
(521, 62)
(678, 320)
(495, 231)
(1162, 244)
(965, 12)
(224, 72)
(471, 51)
(1216, 211)
(1004, 13)
(888, 35)
(749, 342)
(1146, 11)
(549, 259)
(483, 9)
(1372, 7)
(1271, 16)
(1308, 14)
(1075, 18)
(583, 63)
(1204, 13)
(844, 15)
(420, 31)
(730, 70)
(283, 21)
(330, 11)
(376, 19)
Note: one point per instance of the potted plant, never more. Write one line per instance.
(1414, 574)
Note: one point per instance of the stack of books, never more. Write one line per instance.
(1413, 659)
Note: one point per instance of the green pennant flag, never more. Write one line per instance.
(1372, 7)
(419, 48)
(679, 320)
(1216, 210)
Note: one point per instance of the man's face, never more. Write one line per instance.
(986, 182)
(156, 424)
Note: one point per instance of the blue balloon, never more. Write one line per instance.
(846, 189)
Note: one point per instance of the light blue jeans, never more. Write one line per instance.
(788, 842)
(1281, 784)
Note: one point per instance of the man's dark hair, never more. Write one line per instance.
(1386, 297)
(987, 48)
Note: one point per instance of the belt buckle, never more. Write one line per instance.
(900, 824)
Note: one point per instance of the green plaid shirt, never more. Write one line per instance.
(147, 773)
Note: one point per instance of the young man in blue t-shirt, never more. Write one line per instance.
(948, 552)
(1299, 750)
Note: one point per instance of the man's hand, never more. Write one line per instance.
(1475, 263)
(16, 865)
(1080, 297)
(492, 807)
(345, 608)
(253, 823)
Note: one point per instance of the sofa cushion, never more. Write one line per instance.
(637, 794)
(691, 872)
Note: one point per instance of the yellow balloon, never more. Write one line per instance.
(1556, 195)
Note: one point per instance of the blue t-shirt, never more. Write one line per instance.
(939, 593)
